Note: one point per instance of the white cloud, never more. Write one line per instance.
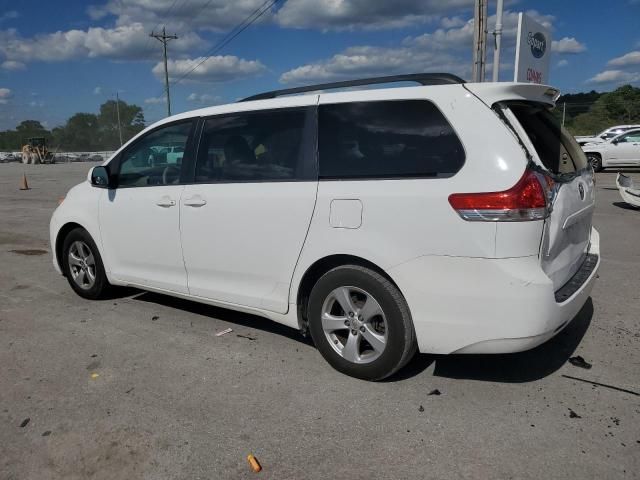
(215, 69)
(372, 61)
(203, 98)
(10, 15)
(615, 76)
(443, 50)
(568, 45)
(5, 95)
(154, 100)
(97, 91)
(13, 65)
(120, 43)
(36, 103)
(216, 15)
(631, 58)
(366, 14)
(562, 63)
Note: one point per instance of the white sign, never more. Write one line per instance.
(533, 50)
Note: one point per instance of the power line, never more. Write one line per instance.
(237, 30)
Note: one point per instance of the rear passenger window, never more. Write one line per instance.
(387, 139)
(253, 146)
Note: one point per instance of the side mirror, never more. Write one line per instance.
(100, 177)
(615, 141)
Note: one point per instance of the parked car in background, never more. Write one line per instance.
(6, 157)
(605, 135)
(620, 151)
(379, 221)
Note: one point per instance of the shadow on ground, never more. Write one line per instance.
(625, 206)
(245, 319)
(505, 368)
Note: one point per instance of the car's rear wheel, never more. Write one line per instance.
(360, 323)
(83, 266)
(595, 161)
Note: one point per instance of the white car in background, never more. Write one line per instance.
(380, 221)
(620, 151)
(605, 135)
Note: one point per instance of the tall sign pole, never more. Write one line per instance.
(118, 113)
(497, 33)
(164, 39)
(479, 40)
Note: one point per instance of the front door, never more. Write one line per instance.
(140, 218)
(626, 150)
(246, 215)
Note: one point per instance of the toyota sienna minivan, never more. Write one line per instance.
(447, 217)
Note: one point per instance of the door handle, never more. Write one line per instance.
(166, 202)
(195, 201)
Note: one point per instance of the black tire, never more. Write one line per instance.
(100, 287)
(398, 327)
(595, 161)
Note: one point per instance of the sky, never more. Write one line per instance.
(61, 57)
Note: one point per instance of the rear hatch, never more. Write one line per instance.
(567, 230)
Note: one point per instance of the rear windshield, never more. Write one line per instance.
(557, 149)
(387, 139)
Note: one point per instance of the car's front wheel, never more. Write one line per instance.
(83, 266)
(360, 323)
(595, 161)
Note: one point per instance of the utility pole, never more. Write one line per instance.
(118, 112)
(164, 39)
(497, 34)
(479, 40)
(564, 112)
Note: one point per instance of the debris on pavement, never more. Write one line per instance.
(598, 384)
(573, 414)
(95, 375)
(253, 463)
(130, 390)
(435, 392)
(154, 318)
(578, 361)
(421, 409)
(224, 332)
(30, 251)
(246, 336)
(25, 422)
(47, 433)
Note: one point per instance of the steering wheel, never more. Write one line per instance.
(170, 175)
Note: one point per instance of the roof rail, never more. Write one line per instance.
(421, 78)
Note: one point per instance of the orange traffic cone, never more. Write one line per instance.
(24, 185)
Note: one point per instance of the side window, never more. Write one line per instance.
(633, 137)
(252, 147)
(387, 139)
(156, 158)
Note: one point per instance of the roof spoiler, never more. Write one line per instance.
(420, 78)
(494, 92)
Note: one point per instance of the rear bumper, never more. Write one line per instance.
(479, 305)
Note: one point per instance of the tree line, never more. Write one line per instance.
(591, 112)
(83, 131)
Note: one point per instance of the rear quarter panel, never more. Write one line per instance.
(403, 219)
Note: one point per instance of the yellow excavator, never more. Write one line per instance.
(34, 151)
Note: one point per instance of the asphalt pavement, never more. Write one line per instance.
(140, 386)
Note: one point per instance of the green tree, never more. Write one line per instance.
(131, 122)
(622, 106)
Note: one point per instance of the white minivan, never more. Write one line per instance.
(449, 217)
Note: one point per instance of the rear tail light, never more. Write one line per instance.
(529, 199)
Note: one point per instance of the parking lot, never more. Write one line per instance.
(139, 386)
